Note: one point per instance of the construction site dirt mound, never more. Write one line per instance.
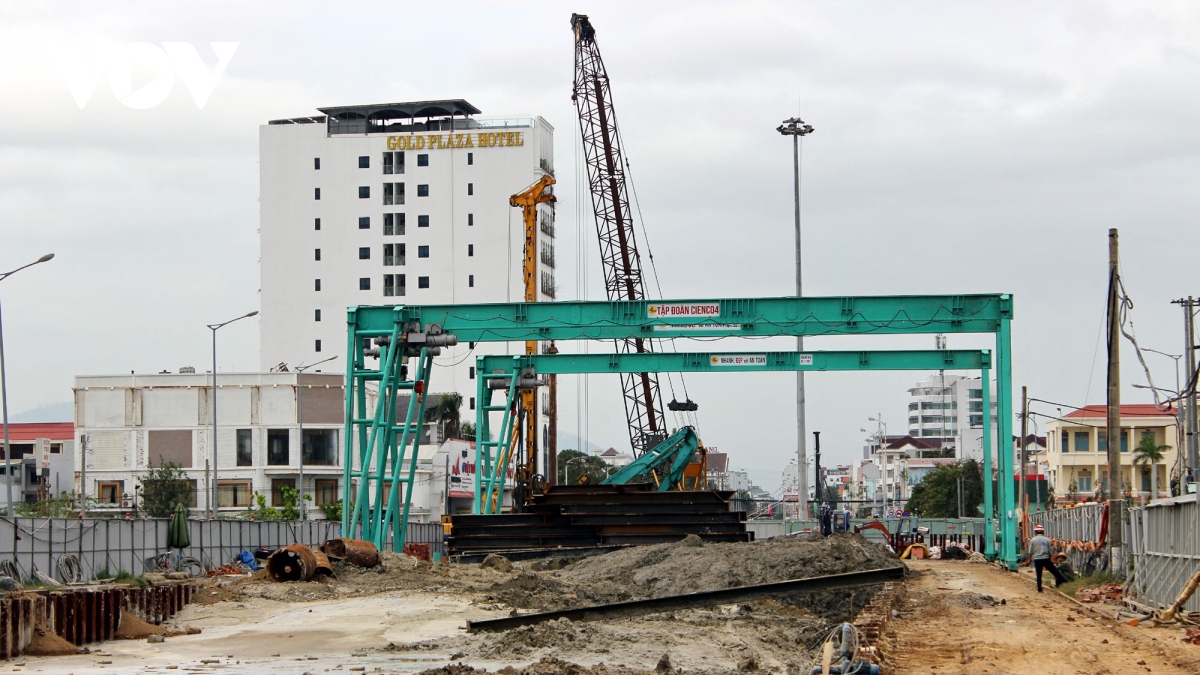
(46, 642)
(134, 628)
(545, 666)
(690, 566)
(396, 572)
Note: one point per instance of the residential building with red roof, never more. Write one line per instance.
(1076, 457)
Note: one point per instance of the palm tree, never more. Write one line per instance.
(1149, 453)
(447, 413)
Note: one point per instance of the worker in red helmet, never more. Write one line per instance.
(1040, 550)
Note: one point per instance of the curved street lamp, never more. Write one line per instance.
(299, 370)
(212, 507)
(4, 390)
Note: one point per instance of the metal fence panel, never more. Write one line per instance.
(115, 545)
(1164, 540)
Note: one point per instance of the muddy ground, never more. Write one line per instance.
(409, 616)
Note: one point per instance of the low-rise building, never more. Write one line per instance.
(128, 424)
(1077, 459)
(43, 456)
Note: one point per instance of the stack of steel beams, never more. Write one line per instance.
(590, 518)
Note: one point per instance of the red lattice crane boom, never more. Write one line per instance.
(618, 248)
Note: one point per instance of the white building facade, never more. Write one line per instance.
(130, 423)
(404, 203)
(950, 407)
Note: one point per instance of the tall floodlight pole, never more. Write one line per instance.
(214, 327)
(797, 129)
(4, 392)
(300, 420)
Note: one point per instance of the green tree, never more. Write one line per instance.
(447, 412)
(937, 495)
(1149, 453)
(467, 432)
(164, 487)
(591, 466)
(333, 510)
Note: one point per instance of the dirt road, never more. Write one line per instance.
(949, 628)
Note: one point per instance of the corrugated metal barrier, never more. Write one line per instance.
(1164, 540)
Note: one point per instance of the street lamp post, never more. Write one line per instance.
(4, 392)
(797, 129)
(300, 420)
(567, 468)
(214, 327)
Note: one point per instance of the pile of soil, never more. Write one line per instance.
(689, 566)
(46, 642)
(134, 628)
(396, 572)
(546, 666)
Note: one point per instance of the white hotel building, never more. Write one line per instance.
(399, 203)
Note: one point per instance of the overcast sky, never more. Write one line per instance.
(959, 148)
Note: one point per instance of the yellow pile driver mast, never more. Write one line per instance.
(527, 201)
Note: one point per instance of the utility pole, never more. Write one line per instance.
(1113, 432)
(1187, 397)
(797, 129)
(1022, 452)
(819, 484)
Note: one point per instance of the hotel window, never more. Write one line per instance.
(364, 283)
(245, 447)
(470, 220)
(364, 222)
(317, 224)
(393, 254)
(364, 162)
(393, 193)
(364, 191)
(316, 345)
(470, 250)
(401, 221)
(422, 282)
(389, 223)
(317, 194)
(317, 285)
(400, 282)
(317, 163)
(233, 494)
(422, 190)
(471, 373)
(422, 251)
(422, 221)
(470, 158)
(1082, 441)
(470, 281)
(387, 162)
(470, 188)
(389, 288)
(317, 253)
(472, 403)
(317, 315)
(364, 252)
(422, 160)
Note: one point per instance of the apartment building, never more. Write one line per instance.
(950, 408)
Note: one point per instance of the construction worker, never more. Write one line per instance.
(1040, 550)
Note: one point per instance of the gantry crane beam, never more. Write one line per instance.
(420, 330)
